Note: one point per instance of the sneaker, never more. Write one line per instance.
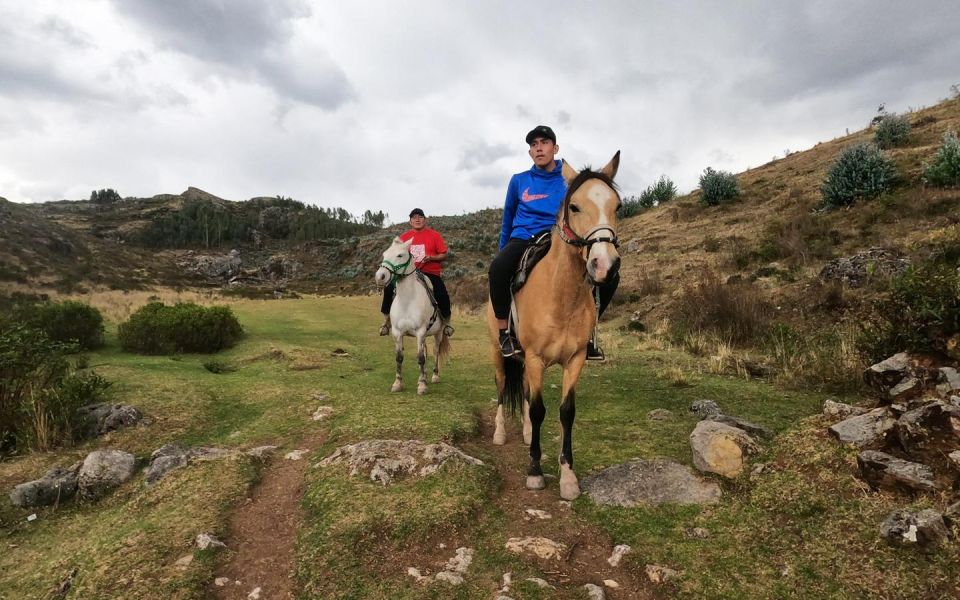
(385, 328)
(594, 352)
(509, 346)
(448, 330)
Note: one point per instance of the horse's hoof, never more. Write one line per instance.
(499, 437)
(435, 379)
(396, 387)
(569, 491)
(422, 389)
(535, 482)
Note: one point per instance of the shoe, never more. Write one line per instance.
(594, 352)
(448, 330)
(385, 328)
(509, 346)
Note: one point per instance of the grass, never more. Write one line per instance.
(806, 529)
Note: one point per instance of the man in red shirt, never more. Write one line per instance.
(428, 250)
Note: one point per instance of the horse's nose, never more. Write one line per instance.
(614, 269)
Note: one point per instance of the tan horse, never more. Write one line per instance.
(556, 314)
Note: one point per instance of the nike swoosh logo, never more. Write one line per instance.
(527, 196)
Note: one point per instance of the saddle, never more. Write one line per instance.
(537, 248)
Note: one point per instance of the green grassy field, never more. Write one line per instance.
(805, 529)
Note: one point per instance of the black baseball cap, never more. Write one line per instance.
(541, 131)
(417, 211)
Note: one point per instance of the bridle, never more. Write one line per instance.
(397, 271)
(570, 236)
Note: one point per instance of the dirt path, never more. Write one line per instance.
(263, 530)
(588, 547)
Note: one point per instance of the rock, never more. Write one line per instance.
(322, 412)
(719, 448)
(183, 562)
(855, 270)
(832, 408)
(539, 514)
(866, 429)
(540, 583)
(98, 419)
(888, 373)
(543, 547)
(751, 428)
(924, 528)
(261, 451)
(255, 594)
(705, 408)
(952, 514)
(697, 533)
(103, 470)
(611, 583)
(649, 482)
(221, 581)
(451, 578)
(295, 454)
(931, 428)
(57, 485)
(883, 470)
(173, 456)
(387, 460)
(949, 382)
(658, 574)
(659, 414)
(909, 387)
(955, 458)
(618, 553)
(594, 591)
(206, 540)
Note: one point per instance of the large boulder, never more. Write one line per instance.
(721, 449)
(649, 482)
(103, 470)
(864, 430)
(57, 485)
(880, 469)
(924, 528)
(98, 419)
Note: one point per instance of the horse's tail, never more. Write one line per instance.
(513, 383)
(443, 350)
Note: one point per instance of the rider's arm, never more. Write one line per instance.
(509, 212)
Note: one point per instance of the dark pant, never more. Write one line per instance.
(439, 293)
(504, 266)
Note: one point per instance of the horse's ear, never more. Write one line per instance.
(569, 173)
(397, 240)
(408, 243)
(611, 169)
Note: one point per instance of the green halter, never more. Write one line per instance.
(397, 270)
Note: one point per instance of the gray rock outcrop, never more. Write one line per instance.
(98, 419)
(930, 428)
(857, 269)
(57, 485)
(173, 456)
(880, 469)
(388, 460)
(103, 470)
(866, 429)
(924, 528)
(649, 482)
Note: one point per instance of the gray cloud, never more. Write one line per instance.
(481, 154)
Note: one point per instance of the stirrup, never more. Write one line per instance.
(509, 346)
(594, 352)
(384, 329)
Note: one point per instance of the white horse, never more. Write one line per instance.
(412, 312)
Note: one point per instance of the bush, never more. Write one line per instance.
(662, 191)
(186, 327)
(68, 322)
(633, 205)
(919, 313)
(718, 187)
(861, 172)
(892, 131)
(736, 313)
(944, 171)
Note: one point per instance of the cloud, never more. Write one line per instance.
(481, 154)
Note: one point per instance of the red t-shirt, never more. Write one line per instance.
(426, 242)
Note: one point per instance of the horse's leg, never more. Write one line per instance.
(536, 411)
(398, 382)
(500, 376)
(437, 340)
(422, 362)
(569, 486)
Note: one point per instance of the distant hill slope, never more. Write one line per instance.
(771, 229)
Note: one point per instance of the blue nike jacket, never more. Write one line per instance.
(533, 200)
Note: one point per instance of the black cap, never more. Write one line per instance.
(541, 131)
(417, 211)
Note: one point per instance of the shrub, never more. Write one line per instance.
(633, 205)
(718, 187)
(825, 359)
(919, 313)
(944, 171)
(892, 131)
(861, 172)
(186, 327)
(736, 313)
(68, 322)
(660, 192)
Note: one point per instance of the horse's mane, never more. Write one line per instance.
(584, 176)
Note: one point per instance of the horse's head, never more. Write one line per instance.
(588, 218)
(397, 262)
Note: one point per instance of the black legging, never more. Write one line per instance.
(505, 264)
(439, 293)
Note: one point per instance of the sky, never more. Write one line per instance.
(387, 105)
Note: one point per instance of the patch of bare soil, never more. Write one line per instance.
(263, 530)
(587, 546)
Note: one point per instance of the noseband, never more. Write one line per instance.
(398, 271)
(570, 236)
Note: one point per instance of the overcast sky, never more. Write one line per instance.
(387, 105)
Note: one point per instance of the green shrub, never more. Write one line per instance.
(186, 327)
(633, 205)
(861, 172)
(68, 321)
(892, 131)
(660, 192)
(919, 313)
(944, 171)
(718, 187)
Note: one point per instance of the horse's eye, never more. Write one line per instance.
(574, 208)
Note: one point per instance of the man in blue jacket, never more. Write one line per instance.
(533, 200)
